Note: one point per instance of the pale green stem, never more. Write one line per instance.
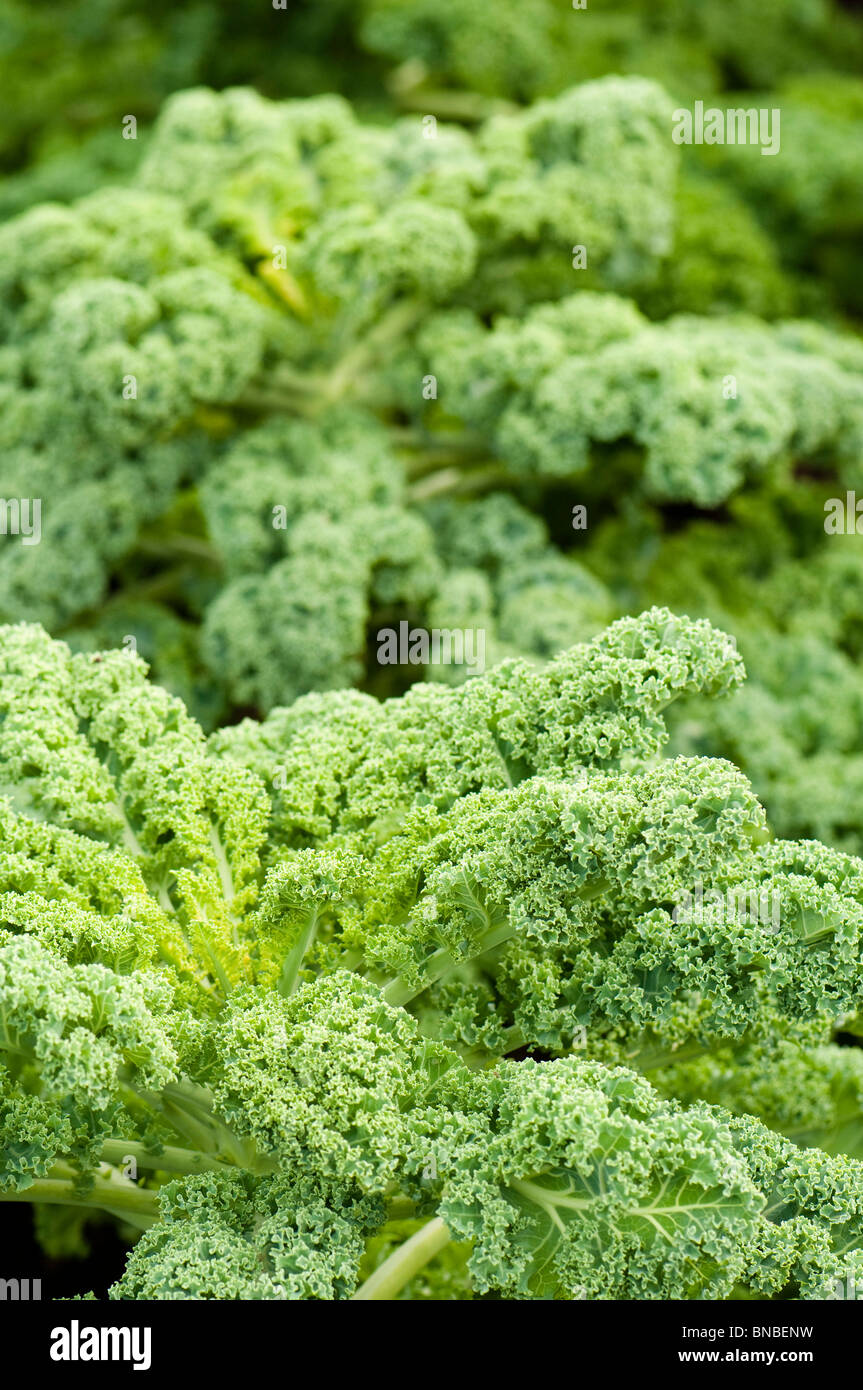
(310, 393)
(656, 1057)
(401, 1266)
(403, 316)
(441, 962)
(170, 1160)
(297, 954)
(479, 1058)
(188, 1108)
(137, 1205)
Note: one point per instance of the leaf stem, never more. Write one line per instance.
(442, 961)
(401, 1266)
(139, 1205)
(653, 1058)
(295, 957)
(170, 1160)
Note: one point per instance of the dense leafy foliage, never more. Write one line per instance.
(323, 977)
(255, 988)
(346, 374)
